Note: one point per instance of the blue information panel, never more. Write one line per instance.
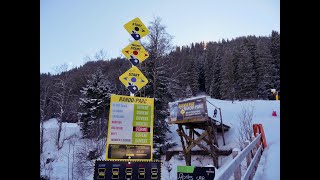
(127, 170)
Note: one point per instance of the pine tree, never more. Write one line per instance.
(251, 43)
(199, 57)
(210, 54)
(95, 103)
(264, 67)
(275, 53)
(216, 78)
(193, 77)
(227, 76)
(246, 77)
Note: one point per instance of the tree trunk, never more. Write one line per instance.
(72, 165)
(68, 161)
(59, 135)
(41, 136)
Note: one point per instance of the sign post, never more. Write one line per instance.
(130, 128)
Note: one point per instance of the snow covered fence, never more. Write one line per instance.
(234, 166)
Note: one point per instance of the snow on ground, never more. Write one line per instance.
(268, 169)
(269, 166)
(60, 164)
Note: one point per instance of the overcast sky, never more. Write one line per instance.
(70, 30)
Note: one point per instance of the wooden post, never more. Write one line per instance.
(189, 144)
(224, 143)
(182, 142)
(254, 149)
(248, 158)
(237, 172)
(212, 152)
(213, 133)
(259, 142)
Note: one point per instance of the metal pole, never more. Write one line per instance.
(131, 94)
(224, 143)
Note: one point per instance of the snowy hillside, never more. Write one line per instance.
(269, 167)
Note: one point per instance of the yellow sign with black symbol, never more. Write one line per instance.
(136, 28)
(135, 53)
(133, 79)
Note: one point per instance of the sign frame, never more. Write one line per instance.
(136, 104)
(176, 112)
(134, 26)
(136, 74)
(134, 53)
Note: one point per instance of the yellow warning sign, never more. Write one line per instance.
(136, 28)
(133, 79)
(135, 53)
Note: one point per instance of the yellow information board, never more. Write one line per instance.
(133, 79)
(135, 53)
(130, 128)
(136, 28)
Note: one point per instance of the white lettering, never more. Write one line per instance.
(183, 177)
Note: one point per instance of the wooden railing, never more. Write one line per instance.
(252, 152)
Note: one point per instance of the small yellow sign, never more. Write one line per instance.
(133, 79)
(135, 53)
(136, 28)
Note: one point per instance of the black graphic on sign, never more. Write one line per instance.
(132, 88)
(134, 61)
(134, 34)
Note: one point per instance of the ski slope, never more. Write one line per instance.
(268, 169)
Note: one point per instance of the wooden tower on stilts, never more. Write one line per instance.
(195, 128)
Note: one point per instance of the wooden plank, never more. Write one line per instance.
(187, 121)
(252, 164)
(198, 134)
(196, 142)
(237, 172)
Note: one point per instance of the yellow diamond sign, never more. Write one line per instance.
(135, 53)
(133, 79)
(136, 28)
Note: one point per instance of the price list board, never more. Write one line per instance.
(130, 128)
